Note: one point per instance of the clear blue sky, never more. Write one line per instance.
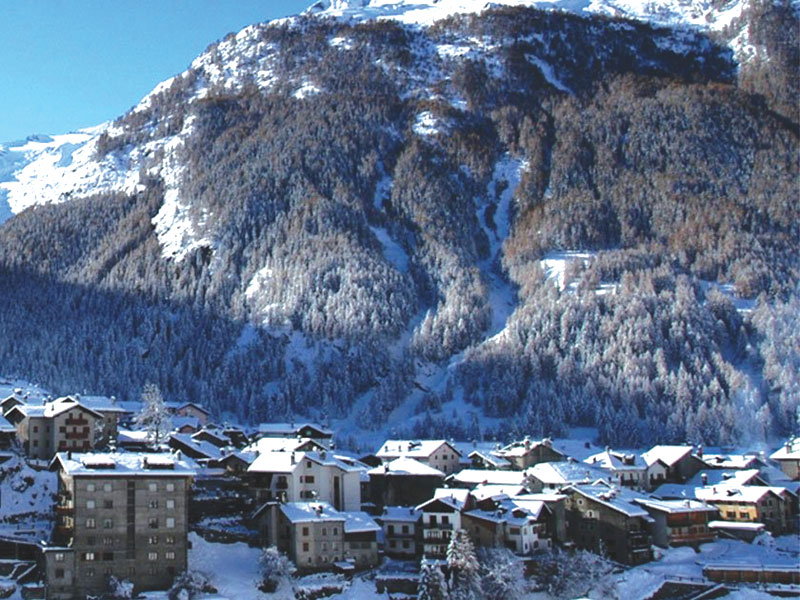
(69, 64)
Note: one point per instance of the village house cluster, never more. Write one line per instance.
(124, 508)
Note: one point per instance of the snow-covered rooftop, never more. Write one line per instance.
(475, 477)
(617, 461)
(620, 499)
(122, 463)
(736, 493)
(789, 451)
(307, 512)
(410, 448)
(564, 472)
(283, 444)
(400, 513)
(406, 466)
(675, 506)
(669, 455)
(358, 521)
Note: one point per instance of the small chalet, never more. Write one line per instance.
(526, 453)
(788, 457)
(189, 410)
(480, 459)
(46, 429)
(606, 518)
(680, 522)
(552, 476)
(402, 531)
(623, 468)
(360, 539)
(316, 432)
(520, 526)
(403, 482)
(671, 464)
(439, 454)
(771, 506)
(441, 516)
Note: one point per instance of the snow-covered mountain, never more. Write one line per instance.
(360, 214)
(50, 169)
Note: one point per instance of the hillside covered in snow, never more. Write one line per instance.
(425, 217)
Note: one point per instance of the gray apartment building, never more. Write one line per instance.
(120, 514)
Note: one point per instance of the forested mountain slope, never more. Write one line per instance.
(348, 220)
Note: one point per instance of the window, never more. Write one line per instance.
(91, 541)
(59, 557)
(59, 573)
(391, 529)
(152, 487)
(170, 504)
(170, 487)
(392, 544)
(445, 520)
(108, 503)
(169, 555)
(85, 430)
(171, 522)
(405, 528)
(108, 541)
(90, 523)
(35, 443)
(325, 546)
(406, 544)
(90, 487)
(153, 504)
(324, 531)
(35, 429)
(335, 531)
(90, 504)
(305, 547)
(169, 539)
(152, 522)
(131, 571)
(62, 429)
(108, 523)
(152, 569)
(88, 556)
(305, 531)
(106, 487)
(152, 540)
(108, 556)
(152, 556)
(89, 573)
(308, 464)
(309, 479)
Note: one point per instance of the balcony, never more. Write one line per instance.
(439, 526)
(64, 509)
(77, 435)
(77, 422)
(436, 535)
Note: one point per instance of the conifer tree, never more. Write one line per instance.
(432, 585)
(465, 582)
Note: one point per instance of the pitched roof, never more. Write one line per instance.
(292, 429)
(308, 512)
(564, 472)
(497, 461)
(612, 460)
(411, 448)
(789, 451)
(122, 463)
(675, 506)
(669, 455)
(454, 498)
(359, 522)
(619, 499)
(283, 444)
(400, 513)
(738, 493)
(731, 461)
(486, 476)
(723, 477)
(406, 466)
(286, 462)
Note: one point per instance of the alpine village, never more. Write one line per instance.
(423, 299)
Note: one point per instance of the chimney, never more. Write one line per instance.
(704, 478)
(700, 450)
(69, 454)
(294, 458)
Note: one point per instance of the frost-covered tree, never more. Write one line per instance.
(276, 569)
(502, 574)
(154, 416)
(118, 589)
(432, 584)
(465, 580)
